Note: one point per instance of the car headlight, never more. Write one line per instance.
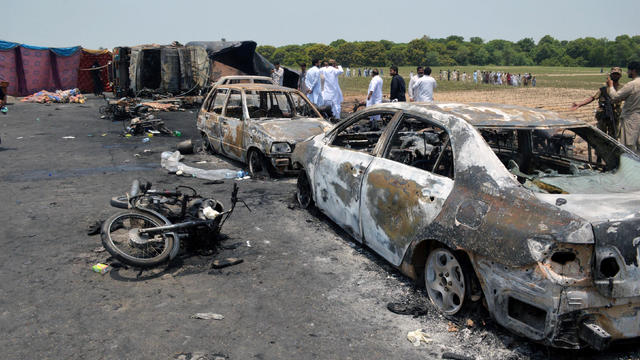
(280, 148)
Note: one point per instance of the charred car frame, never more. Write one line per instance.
(258, 124)
(538, 214)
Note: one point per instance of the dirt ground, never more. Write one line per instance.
(555, 99)
(304, 291)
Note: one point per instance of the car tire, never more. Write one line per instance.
(303, 191)
(258, 164)
(206, 144)
(447, 280)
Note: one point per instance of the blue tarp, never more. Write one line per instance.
(67, 51)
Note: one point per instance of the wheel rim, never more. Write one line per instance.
(303, 192)
(444, 281)
(119, 236)
(255, 163)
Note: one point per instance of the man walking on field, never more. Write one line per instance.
(374, 93)
(312, 81)
(331, 93)
(630, 93)
(423, 86)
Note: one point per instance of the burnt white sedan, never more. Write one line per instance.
(537, 213)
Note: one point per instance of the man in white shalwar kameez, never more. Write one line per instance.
(331, 93)
(312, 80)
(374, 93)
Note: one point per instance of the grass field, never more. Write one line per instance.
(546, 76)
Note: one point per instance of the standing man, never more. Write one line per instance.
(412, 81)
(424, 85)
(374, 95)
(302, 86)
(277, 74)
(97, 79)
(398, 87)
(604, 122)
(331, 92)
(312, 81)
(630, 93)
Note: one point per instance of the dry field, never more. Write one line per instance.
(555, 99)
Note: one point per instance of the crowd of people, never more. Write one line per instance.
(622, 122)
(489, 77)
(321, 85)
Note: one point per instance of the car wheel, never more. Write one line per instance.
(258, 166)
(206, 144)
(303, 191)
(446, 281)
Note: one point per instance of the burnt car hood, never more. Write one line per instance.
(291, 130)
(615, 219)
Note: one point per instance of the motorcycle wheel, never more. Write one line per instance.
(119, 232)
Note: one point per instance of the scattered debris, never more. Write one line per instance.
(418, 336)
(452, 327)
(223, 263)
(207, 316)
(450, 355)
(407, 309)
(101, 268)
(94, 229)
(171, 162)
(185, 147)
(59, 96)
(470, 323)
(99, 249)
(199, 355)
(68, 137)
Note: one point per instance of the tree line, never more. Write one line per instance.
(454, 50)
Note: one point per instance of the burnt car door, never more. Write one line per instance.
(232, 125)
(404, 189)
(208, 121)
(342, 163)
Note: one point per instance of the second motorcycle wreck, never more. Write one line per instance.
(534, 214)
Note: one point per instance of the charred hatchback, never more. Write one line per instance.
(258, 124)
(536, 213)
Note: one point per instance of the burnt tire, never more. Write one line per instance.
(206, 144)
(303, 191)
(258, 165)
(116, 237)
(448, 280)
(120, 202)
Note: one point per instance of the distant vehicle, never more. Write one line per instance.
(258, 124)
(537, 213)
(244, 79)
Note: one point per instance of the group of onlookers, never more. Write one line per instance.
(489, 77)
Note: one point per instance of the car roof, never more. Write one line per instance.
(495, 115)
(243, 77)
(257, 86)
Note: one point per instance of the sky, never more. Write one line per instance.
(93, 24)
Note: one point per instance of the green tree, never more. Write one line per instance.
(526, 45)
(397, 55)
(476, 40)
(348, 54)
(337, 43)
(266, 51)
(320, 51)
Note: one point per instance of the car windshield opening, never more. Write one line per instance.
(565, 160)
(269, 104)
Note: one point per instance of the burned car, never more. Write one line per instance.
(536, 213)
(240, 79)
(258, 124)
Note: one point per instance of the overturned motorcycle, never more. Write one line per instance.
(148, 233)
